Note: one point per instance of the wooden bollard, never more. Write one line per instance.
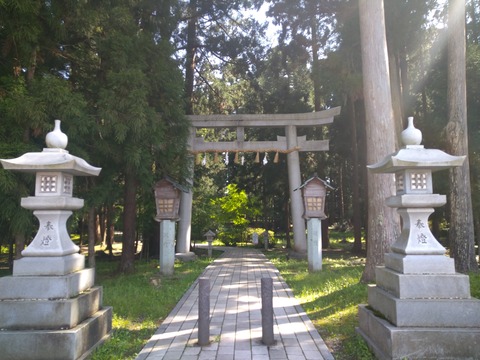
(267, 311)
(203, 311)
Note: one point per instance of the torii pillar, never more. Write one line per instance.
(294, 182)
(186, 200)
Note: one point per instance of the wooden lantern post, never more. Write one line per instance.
(167, 200)
(314, 192)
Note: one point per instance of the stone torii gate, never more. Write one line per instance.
(291, 144)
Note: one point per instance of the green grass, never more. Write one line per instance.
(331, 297)
(141, 301)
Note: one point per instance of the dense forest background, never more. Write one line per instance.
(122, 75)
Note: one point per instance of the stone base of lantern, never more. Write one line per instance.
(425, 313)
(420, 264)
(390, 342)
(69, 344)
(48, 265)
(185, 257)
(51, 316)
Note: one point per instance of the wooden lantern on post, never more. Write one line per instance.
(167, 199)
(314, 192)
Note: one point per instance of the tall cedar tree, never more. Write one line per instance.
(461, 233)
(383, 222)
(121, 60)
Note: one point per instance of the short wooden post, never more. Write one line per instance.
(267, 311)
(203, 311)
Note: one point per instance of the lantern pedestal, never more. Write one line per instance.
(314, 191)
(314, 241)
(167, 198)
(167, 247)
(420, 308)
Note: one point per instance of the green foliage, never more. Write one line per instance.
(231, 214)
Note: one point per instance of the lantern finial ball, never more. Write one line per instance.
(411, 135)
(56, 138)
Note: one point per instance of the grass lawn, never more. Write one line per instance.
(330, 297)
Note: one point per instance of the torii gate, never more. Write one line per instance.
(291, 144)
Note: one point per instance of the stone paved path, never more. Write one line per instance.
(236, 324)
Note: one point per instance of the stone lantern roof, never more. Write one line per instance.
(315, 178)
(415, 156)
(51, 160)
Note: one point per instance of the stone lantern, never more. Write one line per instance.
(314, 192)
(420, 308)
(50, 302)
(167, 200)
(210, 235)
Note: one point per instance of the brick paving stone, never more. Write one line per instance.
(192, 350)
(242, 355)
(296, 357)
(236, 323)
(260, 357)
(312, 355)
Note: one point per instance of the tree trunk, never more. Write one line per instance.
(383, 222)
(91, 237)
(474, 23)
(190, 55)
(317, 101)
(11, 245)
(99, 229)
(287, 231)
(461, 233)
(357, 229)
(110, 230)
(397, 93)
(19, 245)
(127, 262)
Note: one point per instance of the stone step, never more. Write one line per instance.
(425, 312)
(389, 342)
(71, 344)
(420, 264)
(46, 266)
(49, 314)
(416, 286)
(46, 287)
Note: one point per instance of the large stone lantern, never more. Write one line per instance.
(420, 308)
(49, 307)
